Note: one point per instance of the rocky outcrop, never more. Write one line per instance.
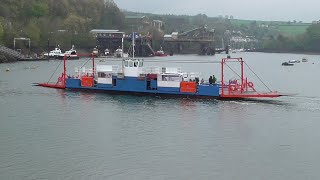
(2, 58)
(6, 59)
(9, 55)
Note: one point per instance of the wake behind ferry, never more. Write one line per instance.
(132, 77)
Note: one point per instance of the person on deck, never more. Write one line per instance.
(210, 80)
(214, 79)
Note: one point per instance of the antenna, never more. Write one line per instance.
(133, 44)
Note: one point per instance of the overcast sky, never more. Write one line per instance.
(286, 10)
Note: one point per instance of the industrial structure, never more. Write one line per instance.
(114, 39)
(108, 39)
(201, 36)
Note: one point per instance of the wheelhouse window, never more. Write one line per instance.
(174, 78)
(130, 64)
(102, 75)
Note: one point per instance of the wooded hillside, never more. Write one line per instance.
(67, 22)
(61, 21)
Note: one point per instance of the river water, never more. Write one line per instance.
(56, 134)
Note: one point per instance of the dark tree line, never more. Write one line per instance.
(307, 42)
(63, 22)
(67, 22)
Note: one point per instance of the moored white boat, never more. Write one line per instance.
(54, 53)
(71, 54)
(304, 60)
(293, 61)
(118, 53)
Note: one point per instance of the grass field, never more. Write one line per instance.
(284, 28)
(293, 30)
(240, 22)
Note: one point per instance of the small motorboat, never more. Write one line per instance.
(294, 61)
(304, 60)
(118, 53)
(287, 64)
(106, 52)
(95, 52)
(160, 53)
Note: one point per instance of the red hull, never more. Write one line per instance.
(55, 86)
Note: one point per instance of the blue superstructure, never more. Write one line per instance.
(135, 85)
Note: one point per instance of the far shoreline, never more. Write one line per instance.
(6, 61)
(286, 52)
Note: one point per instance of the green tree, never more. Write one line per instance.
(112, 16)
(39, 10)
(75, 24)
(313, 37)
(32, 31)
(58, 8)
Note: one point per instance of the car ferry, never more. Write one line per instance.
(132, 77)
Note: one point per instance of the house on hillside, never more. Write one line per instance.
(263, 25)
(158, 24)
(140, 22)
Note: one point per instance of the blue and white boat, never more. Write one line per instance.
(132, 77)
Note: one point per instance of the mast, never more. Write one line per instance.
(222, 43)
(122, 45)
(133, 44)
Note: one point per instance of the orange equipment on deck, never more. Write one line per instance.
(87, 81)
(188, 87)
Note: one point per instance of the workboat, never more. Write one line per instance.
(132, 77)
(71, 54)
(54, 53)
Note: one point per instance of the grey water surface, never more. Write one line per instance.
(56, 134)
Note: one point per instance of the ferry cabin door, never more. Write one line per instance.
(148, 84)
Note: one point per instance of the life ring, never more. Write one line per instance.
(250, 84)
